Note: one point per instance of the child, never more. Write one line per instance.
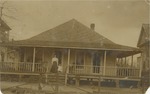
(59, 68)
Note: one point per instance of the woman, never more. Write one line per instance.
(54, 68)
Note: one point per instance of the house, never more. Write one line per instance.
(82, 52)
(144, 45)
(4, 31)
(4, 37)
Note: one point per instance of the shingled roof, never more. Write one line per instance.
(71, 34)
(71, 31)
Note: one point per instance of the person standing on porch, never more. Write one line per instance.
(59, 67)
(54, 67)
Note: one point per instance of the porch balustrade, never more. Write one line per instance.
(85, 69)
(21, 67)
(73, 69)
(109, 70)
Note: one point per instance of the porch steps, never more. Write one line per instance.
(55, 79)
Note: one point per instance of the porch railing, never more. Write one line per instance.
(85, 69)
(109, 70)
(73, 69)
(21, 67)
(128, 72)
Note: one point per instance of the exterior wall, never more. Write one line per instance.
(110, 61)
(29, 55)
(4, 36)
(88, 61)
(145, 57)
(48, 55)
(142, 37)
(65, 60)
(3, 54)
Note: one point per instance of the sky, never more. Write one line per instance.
(117, 20)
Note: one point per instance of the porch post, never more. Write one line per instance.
(118, 60)
(68, 60)
(33, 65)
(75, 61)
(125, 61)
(132, 61)
(141, 66)
(25, 56)
(43, 55)
(104, 71)
(121, 62)
(5, 54)
(67, 70)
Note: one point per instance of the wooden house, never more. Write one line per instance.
(4, 37)
(144, 45)
(4, 31)
(81, 51)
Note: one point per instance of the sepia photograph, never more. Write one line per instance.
(74, 47)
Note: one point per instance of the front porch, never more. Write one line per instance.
(90, 63)
(109, 71)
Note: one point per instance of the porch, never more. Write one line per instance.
(110, 71)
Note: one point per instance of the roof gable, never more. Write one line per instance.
(144, 35)
(4, 26)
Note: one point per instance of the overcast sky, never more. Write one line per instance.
(118, 20)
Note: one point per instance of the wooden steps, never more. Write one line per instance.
(54, 78)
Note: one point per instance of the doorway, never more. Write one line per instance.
(96, 62)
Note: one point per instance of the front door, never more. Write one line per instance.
(96, 63)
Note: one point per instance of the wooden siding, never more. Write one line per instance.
(110, 62)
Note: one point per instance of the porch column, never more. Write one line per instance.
(121, 62)
(132, 61)
(118, 60)
(125, 61)
(43, 55)
(67, 70)
(25, 55)
(104, 63)
(33, 59)
(141, 66)
(5, 54)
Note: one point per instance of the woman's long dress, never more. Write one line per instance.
(54, 68)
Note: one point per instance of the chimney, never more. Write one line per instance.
(92, 26)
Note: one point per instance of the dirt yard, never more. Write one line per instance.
(33, 88)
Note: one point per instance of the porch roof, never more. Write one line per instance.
(71, 34)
